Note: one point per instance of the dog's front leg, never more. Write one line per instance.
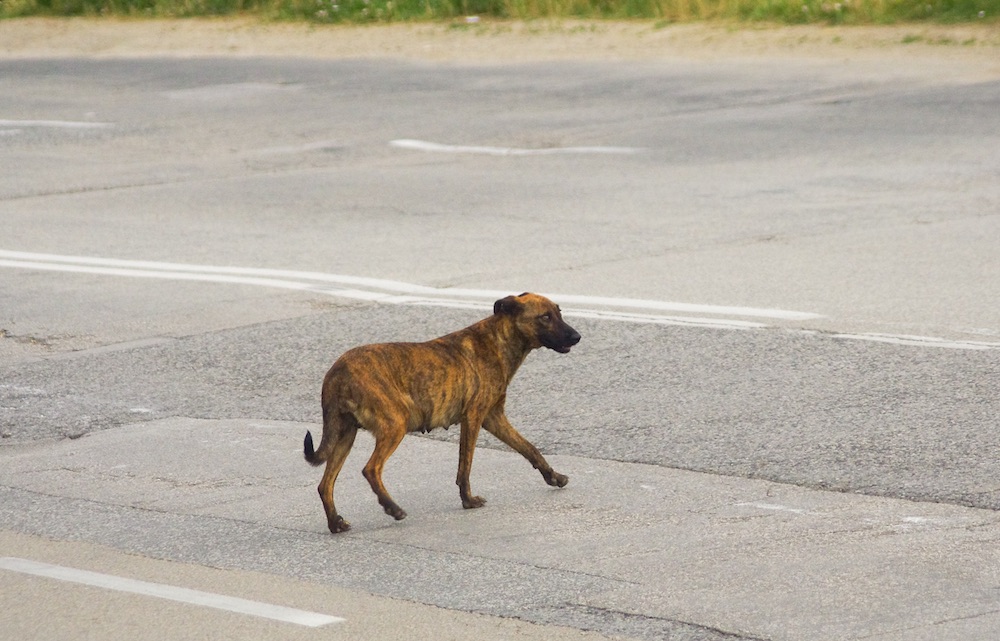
(498, 425)
(466, 448)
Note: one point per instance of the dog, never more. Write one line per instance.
(390, 389)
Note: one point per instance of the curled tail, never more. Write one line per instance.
(309, 451)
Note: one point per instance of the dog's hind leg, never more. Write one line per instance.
(498, 425)
(386, 442)
(344, 440)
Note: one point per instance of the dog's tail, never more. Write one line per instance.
(310, 453)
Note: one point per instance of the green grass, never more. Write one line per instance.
(663, 12)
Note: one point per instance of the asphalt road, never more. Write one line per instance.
(785, 276)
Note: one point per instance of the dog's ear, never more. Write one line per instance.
(509, 305)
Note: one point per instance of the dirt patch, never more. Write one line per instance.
(963, 52)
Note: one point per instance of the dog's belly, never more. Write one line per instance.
(436, 397)
(431, 416)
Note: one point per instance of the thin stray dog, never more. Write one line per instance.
(390, 389)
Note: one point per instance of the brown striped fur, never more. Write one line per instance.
(390, 389)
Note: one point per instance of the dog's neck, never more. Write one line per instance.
(513, 351)
(509, 344)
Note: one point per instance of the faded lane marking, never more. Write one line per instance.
(55, 124)
(776, 507)
(433, 147)
(389, 291)
(603, 308)
(917, 341)
(169, 592)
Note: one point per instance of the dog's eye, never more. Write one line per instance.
(545, 318)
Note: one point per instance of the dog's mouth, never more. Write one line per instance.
(565, 344)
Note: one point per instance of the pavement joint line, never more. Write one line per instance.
(169, 592)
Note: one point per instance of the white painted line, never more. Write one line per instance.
(918, 341)
(231, 91)
(55, 124)
(688, 308)
(919, 519)
(400, 293)
(169, 592)
(355, 294)
(629, 310)
(644, 319)
(653, 319)
(166, 275)
(359, 286)
(25, 391)
(433, 147)
(359, 281)
(322, 145)
(774, 507)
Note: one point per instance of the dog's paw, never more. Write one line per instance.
(473, 502)
(337, 525)
(555, 479)
(395, 511)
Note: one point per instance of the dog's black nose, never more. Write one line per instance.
(573, 337)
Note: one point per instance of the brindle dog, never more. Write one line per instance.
(390, 389)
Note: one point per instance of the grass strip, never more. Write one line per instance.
(849, 12)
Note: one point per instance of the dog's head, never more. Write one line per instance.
(539, 320)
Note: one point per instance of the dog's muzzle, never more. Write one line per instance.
(567, 340)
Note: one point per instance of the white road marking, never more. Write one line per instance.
(629, 310)
(55, 124)
(433, 147)
(231, 91)
(19, 389)
(688, 308)
(320, 145)
(654, 319)
(918, 341)
(357, 287)
(775, 507)
(169, 592)
(922, 520)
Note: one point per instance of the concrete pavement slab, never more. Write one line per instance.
(735, 556)
(72, 611)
